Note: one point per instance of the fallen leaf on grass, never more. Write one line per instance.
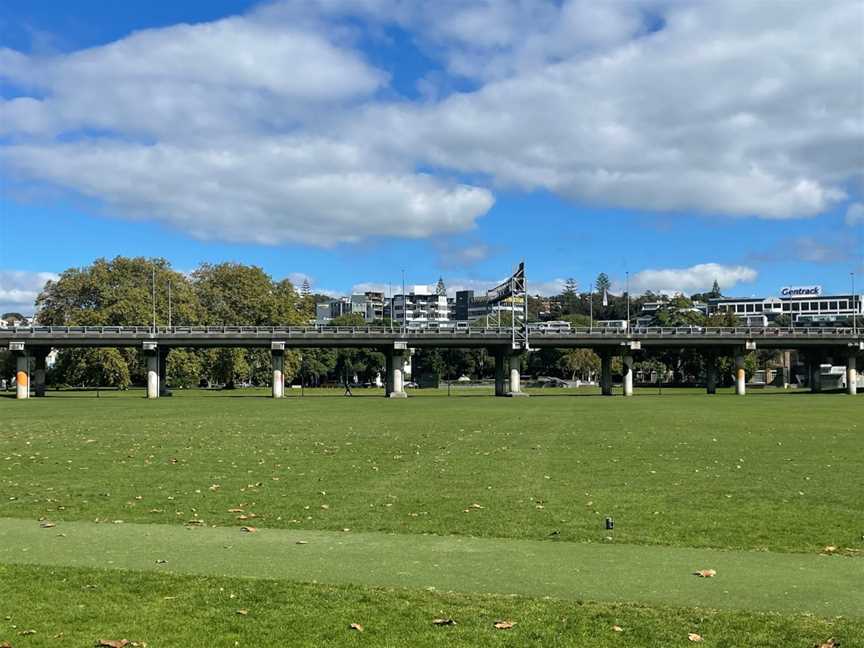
(829, 644)
(243, 612)
(443, 622)
(694, 637)
(301, 542)
(356, 626)
(47, 525)
(830, 549)
(705, 573)
(235, 510)
(5, 644)
(248, 529)
(617, 628)
(504, 625)
(25, 633)
(113, 643)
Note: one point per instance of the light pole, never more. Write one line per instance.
(169, 304)
(404, 305)
(154, 297)
(627, 274)
(854, 307)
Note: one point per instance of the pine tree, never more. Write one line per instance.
(569, 296)
(715, 290)
(305, 289)
(603, 283)
(440, 289)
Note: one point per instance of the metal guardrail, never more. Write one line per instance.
(378, 331)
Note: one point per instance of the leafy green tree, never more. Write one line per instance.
(118, 292)
(602, 283)
(91, 367)
(185, 368)
(583, 363)
(570, 296)
(315, 365)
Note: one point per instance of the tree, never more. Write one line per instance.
(602, 283)
(715, 290)
(185, 368)
(12, 317)
(306, 289)
(440, 289)
(580, 362)
(570, 296)
(87, 367)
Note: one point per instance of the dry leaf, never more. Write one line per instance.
(705, 573)
(504, 625)
(443, 622)
(5, 644)
(47, 525)
(301, 542)
(617, 628)
(829, 549)
(113, 643)
(829, 644)
(25, 633)
(235, 510)
(356, 626)
(248, 529)
(694, 637)
(242, 612)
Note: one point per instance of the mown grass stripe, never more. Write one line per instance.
(757, 581)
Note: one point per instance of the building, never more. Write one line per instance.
(804, 306)
(421, 305)
(368, 304)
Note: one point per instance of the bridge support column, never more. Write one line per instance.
(740, 374)
(627, 363)
(711, 373)
(22, 375)
(152, 355)
(39, 372)
(163, 372)
(851, 375)
(515, 374)
(605, 373)
(500, 372)
(814, 364)
(395, 377)
(277, 355)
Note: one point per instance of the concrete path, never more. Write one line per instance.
(758, 581)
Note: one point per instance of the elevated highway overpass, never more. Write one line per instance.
(839, 344)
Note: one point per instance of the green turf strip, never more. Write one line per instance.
(761, 581)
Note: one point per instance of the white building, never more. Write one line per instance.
(421, 305)
(369, 304)
(806, 305)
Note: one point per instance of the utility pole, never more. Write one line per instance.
(590, 306)
(627, 274)
(854, 307)
(154, 298)
(404, 305)
(169, 304)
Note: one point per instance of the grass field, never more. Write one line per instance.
(770, 477)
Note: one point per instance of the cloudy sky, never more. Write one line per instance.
(345, 140)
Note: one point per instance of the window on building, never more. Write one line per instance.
(832, 305)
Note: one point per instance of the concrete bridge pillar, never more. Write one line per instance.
(851, 375)
(814, 364)
(740, 374)
(277, 355)
(515, 374)
(39, 356)
(152, 355)
(605, 373)
(163, 372)
(500, 372)
(627, 362)
(395, 377)
(22, 375)
(711, 373)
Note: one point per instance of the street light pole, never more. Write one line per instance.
(628, 300)
(154, 298)
(854, 307)
(169, 304)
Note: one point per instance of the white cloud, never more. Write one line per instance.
(697, 278)
(273, 127)
(453, 256)
(19, 289)
(855, 214)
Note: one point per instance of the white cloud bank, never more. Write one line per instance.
(19, 289)
(273, 127)
(697, 278)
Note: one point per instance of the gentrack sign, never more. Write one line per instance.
(801, 291)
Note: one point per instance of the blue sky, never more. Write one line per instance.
(346, 141)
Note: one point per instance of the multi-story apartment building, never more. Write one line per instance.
(421, 305)
(368, 304)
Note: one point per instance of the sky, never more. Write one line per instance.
(665, 143)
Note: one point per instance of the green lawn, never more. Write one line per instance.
(772, 472)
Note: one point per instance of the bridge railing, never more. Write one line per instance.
(388, 332)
